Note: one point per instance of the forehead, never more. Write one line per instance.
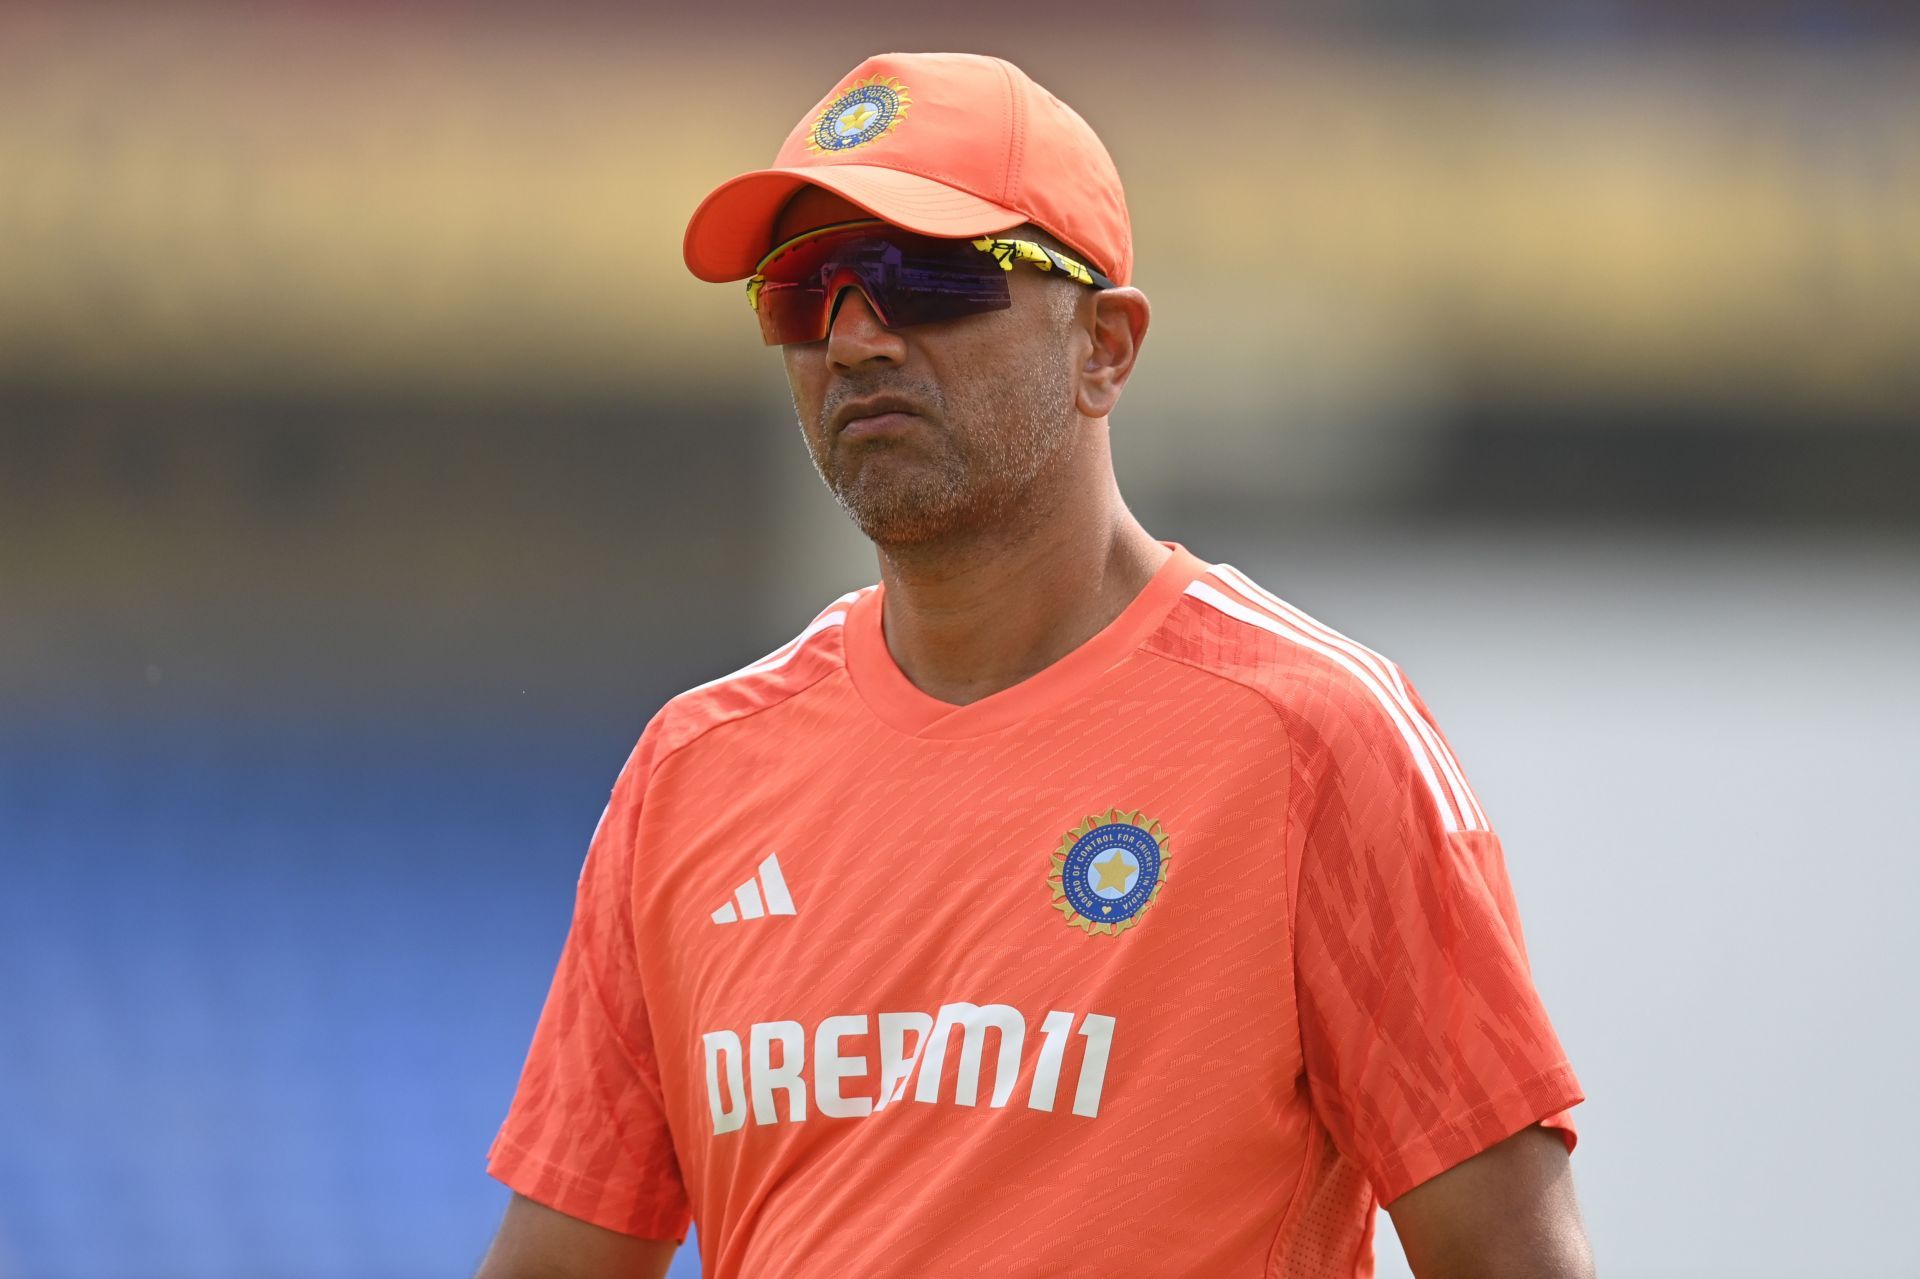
(813, 207)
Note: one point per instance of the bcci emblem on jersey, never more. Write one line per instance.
(1108, 870)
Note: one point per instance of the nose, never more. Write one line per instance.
(856, 334)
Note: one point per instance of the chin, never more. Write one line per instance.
(904, 523)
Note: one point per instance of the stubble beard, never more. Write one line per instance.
(936, 483)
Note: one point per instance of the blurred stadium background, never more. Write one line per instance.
(370, 470)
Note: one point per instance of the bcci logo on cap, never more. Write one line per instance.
(1108, 870)
(860, 115)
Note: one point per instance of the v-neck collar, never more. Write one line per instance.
(892, 697)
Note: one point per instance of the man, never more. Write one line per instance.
(1062, 905)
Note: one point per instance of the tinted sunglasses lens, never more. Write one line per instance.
(933, 280)
(792, 313)
(908, 280)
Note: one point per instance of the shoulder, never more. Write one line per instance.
(817, 652)
(1335, 695)
(1228, 624)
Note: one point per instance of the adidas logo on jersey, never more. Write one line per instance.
(764, 894)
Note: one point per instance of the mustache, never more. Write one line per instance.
(923, 393)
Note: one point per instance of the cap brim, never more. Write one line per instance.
(733, 227)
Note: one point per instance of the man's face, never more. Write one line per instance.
(935, 430)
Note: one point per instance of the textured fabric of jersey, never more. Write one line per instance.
(1175, 959)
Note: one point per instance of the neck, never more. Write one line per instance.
(969, 616)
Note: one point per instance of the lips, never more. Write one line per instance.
(874, 416)
(878, 425)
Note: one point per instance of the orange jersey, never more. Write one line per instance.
(1174, 959)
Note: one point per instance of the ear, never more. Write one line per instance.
(1116, 327)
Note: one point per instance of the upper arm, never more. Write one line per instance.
(1423, 1038)
(588, 1132)
(535, 1242)
(1507, 1213)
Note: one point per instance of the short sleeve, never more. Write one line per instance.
(1424, 1039)
(587, 1131)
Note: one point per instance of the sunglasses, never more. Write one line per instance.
(909, 279)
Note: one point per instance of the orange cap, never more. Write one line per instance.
(947, 144)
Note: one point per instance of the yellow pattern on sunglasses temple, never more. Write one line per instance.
(1006, 252)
